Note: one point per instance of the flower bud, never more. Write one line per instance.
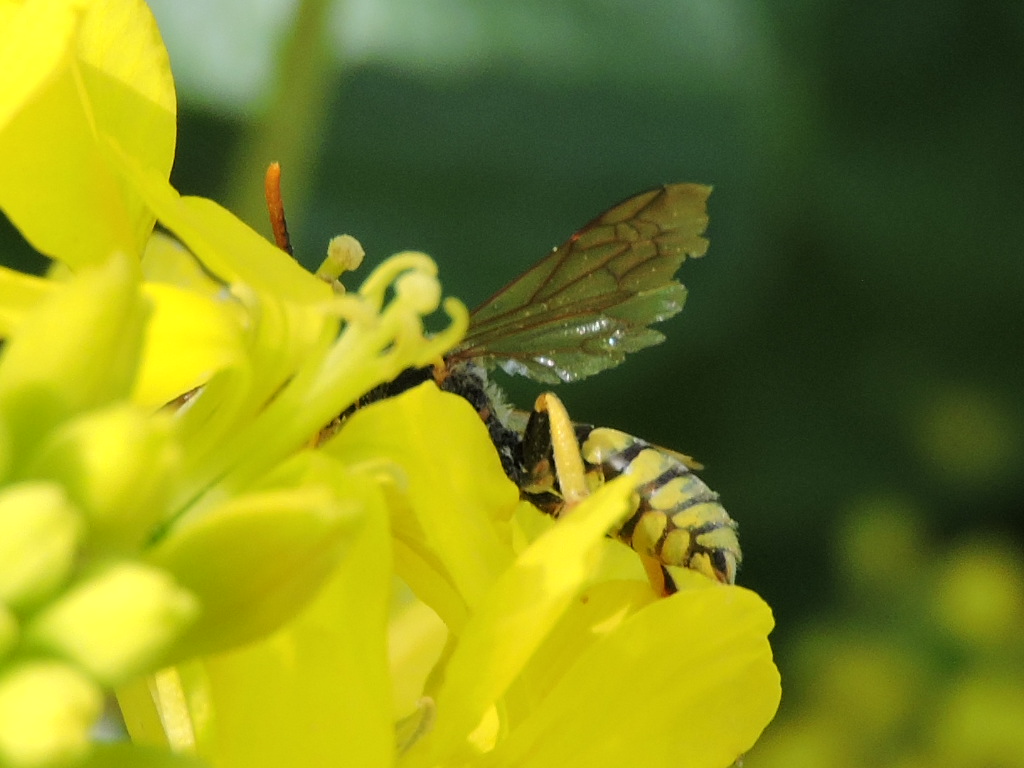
(115, 464)
(77, 349)
(291, 539)
(46, 711)
(116, 622)
(40, 531)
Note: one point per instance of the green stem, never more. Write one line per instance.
(290, 127)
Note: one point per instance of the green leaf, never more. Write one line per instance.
(590, 302)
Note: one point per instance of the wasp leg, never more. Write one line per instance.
(554, 477)
(537, 481)
(564, 449)
(440, 371)
(658, 576)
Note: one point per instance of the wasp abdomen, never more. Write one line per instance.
(678, 520)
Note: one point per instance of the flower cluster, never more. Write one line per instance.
(921, 663)
(175, 528)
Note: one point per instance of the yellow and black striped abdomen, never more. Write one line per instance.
(678, 520)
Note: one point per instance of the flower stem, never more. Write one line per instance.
(290, 127)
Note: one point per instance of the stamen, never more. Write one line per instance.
(275, 207)
(344, 254)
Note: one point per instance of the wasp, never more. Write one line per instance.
(581, 310)
(577, 312)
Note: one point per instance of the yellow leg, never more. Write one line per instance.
(568, 461)
(656, 575)
(572, 477)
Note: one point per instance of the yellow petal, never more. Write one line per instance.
(122, 755)
(229, 248)
(458, 497)
(257, 558)
(8, 631)
(189, 338)
(19, 293)
(518, 612)
(601, 608)
(416, 638)
(317, 691)
(85, 74)
(687, 681)
(77, 350)
(28, 58)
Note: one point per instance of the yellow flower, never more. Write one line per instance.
(132, 534)
(947, 634)
(550, 661)
(77, 76)
(87, 609)
(168, 527)
(510, 655)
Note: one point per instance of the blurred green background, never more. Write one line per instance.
(849, 364)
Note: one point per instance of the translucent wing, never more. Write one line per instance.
(590, 302)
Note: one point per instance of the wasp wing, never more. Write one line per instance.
(590, 302)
